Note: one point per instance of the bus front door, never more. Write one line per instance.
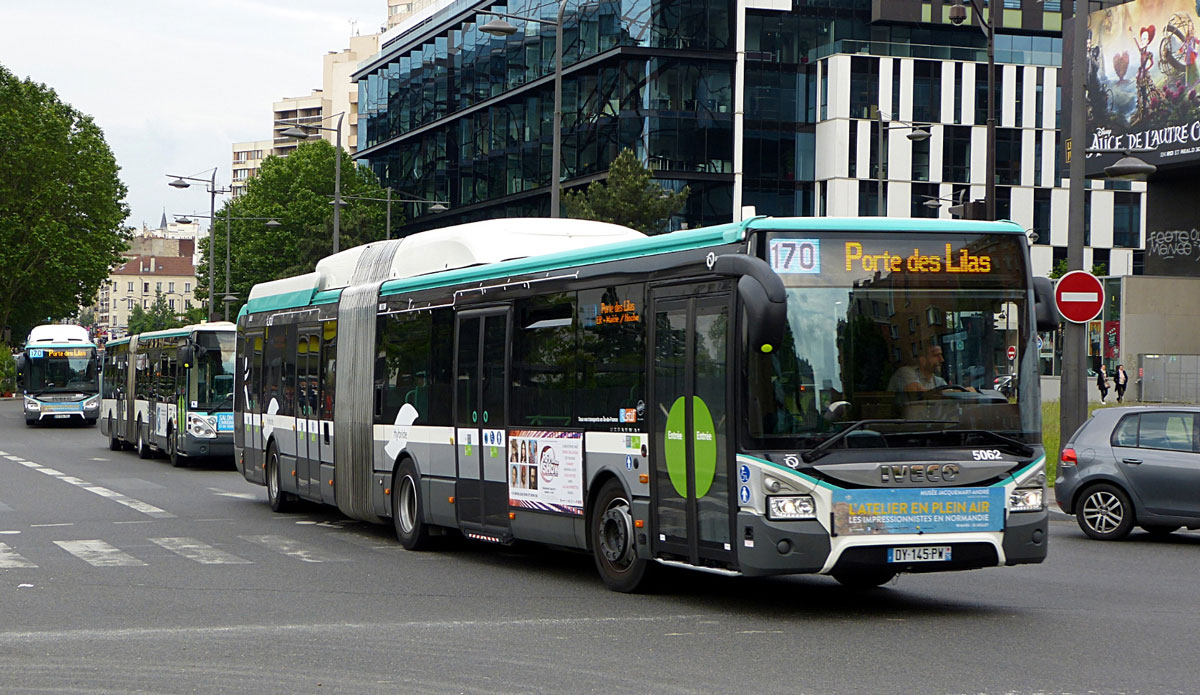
(308, 444)
(481, 365)
(693, 507)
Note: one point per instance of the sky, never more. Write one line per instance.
(174, 84)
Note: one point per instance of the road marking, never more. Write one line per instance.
(99, 554)
(136, 505)
(291, 548)
(9, 559)
(69, 523)
(31, 464)
(237, 495)
(50, 471)
(203, 553)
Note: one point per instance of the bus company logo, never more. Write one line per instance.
(628, 415)
(920, 473)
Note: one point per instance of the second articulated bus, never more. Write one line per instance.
(171, 391)
(765, 397)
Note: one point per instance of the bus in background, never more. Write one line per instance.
(57, 372)
(171, 391)
(765, 397)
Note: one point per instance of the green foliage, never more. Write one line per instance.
(1060, 269)
(296, 191)
(61, 206)
(159, 318)
(8, 370)
(628, 197)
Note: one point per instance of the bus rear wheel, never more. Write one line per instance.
(280, 501)
(114, 444)
(407, 510)
(143, 449)
(173, 451)
(613, 541)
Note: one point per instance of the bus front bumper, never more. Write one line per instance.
(220, 447)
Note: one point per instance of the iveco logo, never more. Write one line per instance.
(924, 473)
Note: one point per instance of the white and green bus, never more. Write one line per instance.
(57, 373)
(171, 391)
(743, 399)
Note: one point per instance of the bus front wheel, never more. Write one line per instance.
(407, 510)
(173, 451)
(613, 541)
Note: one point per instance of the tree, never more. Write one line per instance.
(62, 206)
(1060, 269)
(159, 318)
(629, 197)
(296, 191)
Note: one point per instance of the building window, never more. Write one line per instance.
(1127, 220)
(145, 288)
(187, 287)
(130, 286)
(1041, 215)
(158, 287)
(956, 156)
(864, 86)
(927, 91)
(170, 286)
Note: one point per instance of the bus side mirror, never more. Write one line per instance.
(1044, 310)
(21, 372)
(763, 296)
(185, 356)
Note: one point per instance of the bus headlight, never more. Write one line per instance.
(791, 507)
(201, 427)
(91, 403)
(33, 405)
(1026, 499)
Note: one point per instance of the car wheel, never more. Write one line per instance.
(1105, 513)
(613, 542)
(864, 580)
(1160, 531)
(407, 509)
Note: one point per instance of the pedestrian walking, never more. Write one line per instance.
(1102, 383)
(1121, 380)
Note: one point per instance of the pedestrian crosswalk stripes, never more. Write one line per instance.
(289, 547)
(99, 554)
(9, 559)
(203, 553)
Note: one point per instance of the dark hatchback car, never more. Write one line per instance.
(1133, 465)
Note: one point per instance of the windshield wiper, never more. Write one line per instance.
(1019, 446)
(823, 448)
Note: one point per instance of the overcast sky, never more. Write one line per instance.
(174, 84)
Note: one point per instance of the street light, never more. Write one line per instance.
(300, 131)
(958, 15)
(1129, 168)
(499, 27)
(435, 206)
(229, 298)
(916, 133)
(181, 182)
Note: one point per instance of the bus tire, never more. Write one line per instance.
(173, 451)
(864, 580)
(408, 511)
(613, 541)
(143, 448)
(114, 444)
(280, 501)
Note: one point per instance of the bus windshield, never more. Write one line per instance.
(61, 370)
(212, 382)
(900, 337)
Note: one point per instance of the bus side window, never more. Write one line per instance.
(328, 369)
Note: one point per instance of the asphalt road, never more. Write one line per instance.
(119, 575)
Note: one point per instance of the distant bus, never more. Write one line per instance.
(766, 397)
(57, 373)
(171, 392)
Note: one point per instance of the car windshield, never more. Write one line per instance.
(212, 382)
(61, 370)
(901, 339)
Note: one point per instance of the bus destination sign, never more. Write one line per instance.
(50, 353)
(793, 256)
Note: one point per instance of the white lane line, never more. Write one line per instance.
(69, 523)
(236, 495)
(10, 457)
(203, 553)
(31, 464)
(291, 548)
(50, 471)
(9, 559)
(136, 505)
(99, 554)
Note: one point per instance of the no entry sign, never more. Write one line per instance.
(1012, 352)
(1079, 296)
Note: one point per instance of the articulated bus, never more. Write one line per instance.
(765, 397)
(171, 391)
(57, 373)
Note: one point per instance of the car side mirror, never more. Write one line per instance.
(1044, 310)
(762, 295)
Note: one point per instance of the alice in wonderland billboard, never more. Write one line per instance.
(1143, 81)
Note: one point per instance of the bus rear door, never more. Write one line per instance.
(692, 503)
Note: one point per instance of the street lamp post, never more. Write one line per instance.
(434, 206)
(229, 298)
(300, 132)
(916, 133)
(958, 15)
(500, 27)
(181, 182)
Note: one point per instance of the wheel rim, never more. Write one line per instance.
(616, 535)
(1103, 511)
(272, 478)
(407, 505)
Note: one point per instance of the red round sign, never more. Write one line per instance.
(1079, 296)
(1012, 352)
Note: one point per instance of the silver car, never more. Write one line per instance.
(1133, 465)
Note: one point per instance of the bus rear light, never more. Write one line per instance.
(643, 479)
(1068, 457)
(451, 498)
(387, 491)
(638, 523)
(512, 515)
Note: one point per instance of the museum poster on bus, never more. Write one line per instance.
(545, 471)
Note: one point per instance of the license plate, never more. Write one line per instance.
(61, 417)
(928, 553)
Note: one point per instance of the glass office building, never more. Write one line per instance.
(769, 104)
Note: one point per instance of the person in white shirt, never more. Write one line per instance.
(921, 377)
